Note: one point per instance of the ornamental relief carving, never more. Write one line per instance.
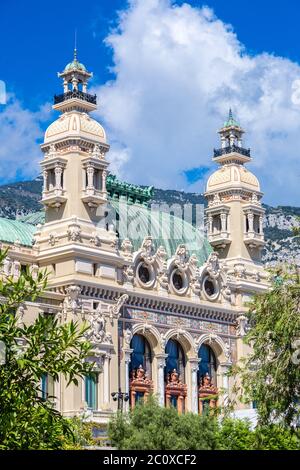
(180, 274)
(74, 233)
(97, 332)
(72, 301)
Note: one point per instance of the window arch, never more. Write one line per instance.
(141, 354)
(208, 363)
(175, 359)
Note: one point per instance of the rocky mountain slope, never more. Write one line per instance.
(22, 198)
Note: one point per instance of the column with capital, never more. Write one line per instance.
(223, 222)
(127, 360)
(250, 222)
(90, 177)
(261, 228)
(210, 224)
(225, 381)
(194, 364)
(161, 362)
(58, 174)
(104, 174)
(106, 381)
(45, 185)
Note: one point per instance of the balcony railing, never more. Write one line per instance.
(75, 94)
(231, 149)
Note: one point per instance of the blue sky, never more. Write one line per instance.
(36, 43)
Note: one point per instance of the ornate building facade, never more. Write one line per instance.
(166, 314)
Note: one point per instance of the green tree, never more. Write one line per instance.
(236, 434)
(270, 375)
(27, 421)
(276, 437)
(151, 427)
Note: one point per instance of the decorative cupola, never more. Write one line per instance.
(234, 213)
(74, 165)
(75, 81)
(231, 150)
(75, 234)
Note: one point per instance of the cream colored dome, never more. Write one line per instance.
(75, 124)
(231, 176)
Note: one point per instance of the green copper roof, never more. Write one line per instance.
(166, 230)
(132, 193)
(14, 230)
(34, 218)
(231, 121)
(75, 65)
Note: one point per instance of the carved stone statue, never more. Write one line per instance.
(161, 255)
(127, 248)
(72, 301)
(163, 341)
(97, 333)
(174, 377)
(227, 351)
(213, 266)
(147, 250)
(181, 256)
(207, 388)
(242, 326)
(127, 337)
(128, 274)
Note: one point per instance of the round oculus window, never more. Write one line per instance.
(178, 280)
(209, 287)
(144, 273)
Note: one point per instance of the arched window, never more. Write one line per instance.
(141, 355)
(208, 363)
(175, 359)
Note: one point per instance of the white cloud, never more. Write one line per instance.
(20, 131)
(177, 71)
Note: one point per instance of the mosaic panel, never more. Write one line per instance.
(172, 321)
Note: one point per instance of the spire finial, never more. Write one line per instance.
(75, 46)
(230, 120)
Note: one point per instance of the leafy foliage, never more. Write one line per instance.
(27, 421)
(270, 375)
(151, 427)
(235, 434)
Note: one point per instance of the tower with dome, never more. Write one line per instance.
(164, 303)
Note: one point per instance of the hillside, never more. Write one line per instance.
(22, 198)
